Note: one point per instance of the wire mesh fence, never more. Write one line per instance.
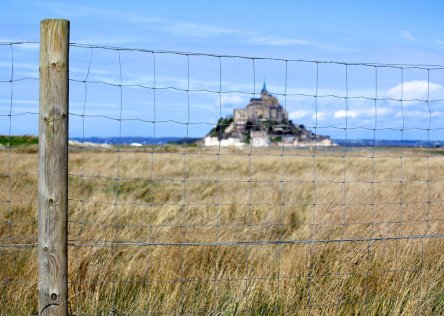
(163, 222)
(18, 178)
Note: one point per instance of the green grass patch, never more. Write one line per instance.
(13, 141)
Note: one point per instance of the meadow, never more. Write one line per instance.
(197, 231)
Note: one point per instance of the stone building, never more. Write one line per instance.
(262, 123)
(266, 107)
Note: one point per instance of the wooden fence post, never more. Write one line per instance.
(53, 168)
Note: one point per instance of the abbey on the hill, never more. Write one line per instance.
(263, 122)
(266, 107)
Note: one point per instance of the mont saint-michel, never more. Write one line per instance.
(263, 122)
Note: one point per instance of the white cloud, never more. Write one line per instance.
(418, 114)
(343, 114)
(320, 116)
(269, 40)
(361, 113)
(185, 28)
(279, 41)
(296, 115)
(176, 27)
(231, 99)
(412, 90)
(383, 111)
(108, 40)
(407, 36)
(197, 30)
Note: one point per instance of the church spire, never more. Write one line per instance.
(264, 89)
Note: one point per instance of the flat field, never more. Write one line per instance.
(189, 230)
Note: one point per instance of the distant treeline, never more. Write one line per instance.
(6, 140)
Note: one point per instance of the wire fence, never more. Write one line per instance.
(160, 223)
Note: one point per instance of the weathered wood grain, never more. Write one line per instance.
(53, 167)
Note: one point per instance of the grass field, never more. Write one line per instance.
(353, 224)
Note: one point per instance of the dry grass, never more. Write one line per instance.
(227, 198)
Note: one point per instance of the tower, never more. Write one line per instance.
(264, 89)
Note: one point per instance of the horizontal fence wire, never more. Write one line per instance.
(172, 226)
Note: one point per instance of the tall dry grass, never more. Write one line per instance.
(166, 207)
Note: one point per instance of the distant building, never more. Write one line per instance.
(229, 142)
(266, 107)
(262, 123)
(260, 139)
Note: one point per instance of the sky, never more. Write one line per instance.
(326, 61)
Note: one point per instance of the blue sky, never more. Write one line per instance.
(401, 32)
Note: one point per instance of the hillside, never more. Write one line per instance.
(275, 132)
